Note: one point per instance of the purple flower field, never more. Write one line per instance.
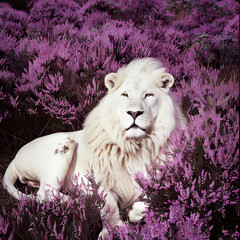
(54, 55)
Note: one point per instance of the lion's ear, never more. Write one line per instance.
(165, 81)
(112, 81)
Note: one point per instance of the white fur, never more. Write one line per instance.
(107, 145)
(137, 212)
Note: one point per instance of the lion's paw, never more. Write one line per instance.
(103, 234)
(137, 212)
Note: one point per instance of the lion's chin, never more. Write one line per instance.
(135, 133)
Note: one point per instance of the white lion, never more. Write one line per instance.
(120, 137)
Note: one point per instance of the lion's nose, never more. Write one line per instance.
(135, 114)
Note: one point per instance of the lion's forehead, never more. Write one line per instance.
(138, 85)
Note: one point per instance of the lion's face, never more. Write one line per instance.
(138, 97)
(138, 104)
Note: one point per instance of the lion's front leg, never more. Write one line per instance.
(110, 212)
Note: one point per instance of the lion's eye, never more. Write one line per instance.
(124, 94)
(149, 95)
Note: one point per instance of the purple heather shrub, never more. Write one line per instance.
(55, 220)
(54, 56)
(13, 22)
(142, 12)
(46, 14)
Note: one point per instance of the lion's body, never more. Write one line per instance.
(120, 137)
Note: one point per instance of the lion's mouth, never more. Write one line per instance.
(134, 125)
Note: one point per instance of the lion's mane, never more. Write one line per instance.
(115, 158)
